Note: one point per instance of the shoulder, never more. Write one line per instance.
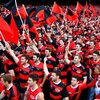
(40, 96)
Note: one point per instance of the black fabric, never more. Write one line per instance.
(8, 56)
(9, 5)
(69, 12)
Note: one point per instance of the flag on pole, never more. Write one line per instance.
(56, 9)
(79, 8)
(23, 12)
(70, 15)
(10, 20)
(6, 30)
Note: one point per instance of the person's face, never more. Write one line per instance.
(91, 44)
(30, 81)
(78, 47)
(99, 78)
(17, 53)
(47, 53)
(40, 43)
(4, 83)
(28, 49)
(95, 56)
(35, 58)
(79, 40)
(65, 36)
(76, 59)
(74, 81)
(61, 42)
(61, 61)
(53, 77)
(23, 60)
(92, 37)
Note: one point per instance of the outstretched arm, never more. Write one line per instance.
(8, 48)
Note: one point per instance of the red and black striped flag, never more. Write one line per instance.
(70, 15)
(10, 20)
(56, 9)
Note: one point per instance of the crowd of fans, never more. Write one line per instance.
(63, 64)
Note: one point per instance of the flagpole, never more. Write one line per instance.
(24, 25)
(18, 12)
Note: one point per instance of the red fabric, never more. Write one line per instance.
(57, 9)
(40, 15)
(56, 90)
(42, 49)
(79, 53)
(97, 47)
(70, 15)
(12, 93)
(78, 71)
(93, 10)
(38, 70)
(6, 30)
(22, 12)
(60, 51)
(97, 97)
(33, 29)
(27, 38)
(78, 7)
(86, 5)
(23, 75)
(30, 54)
(89, 52)
(51, 63)
(24, 26)
(64, 71)
(51, 19)
(36, 24)
(72, 45)
(14, 29)
(71, 91)
(1, 87)
(32, 95)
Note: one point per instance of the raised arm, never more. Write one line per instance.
(66, 56)
(45, 67)
(8, 48)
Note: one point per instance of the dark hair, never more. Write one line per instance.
(7, 77)
(57, 72)
(76, 77)
(3, 43)
(34, 77)
(79, 44)
(78, 56)
(37, 55)
(93, 41)
(26, 57)
(19, 49)
(48, 49)
(58, 33)
(97, 52)
(42, 41)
